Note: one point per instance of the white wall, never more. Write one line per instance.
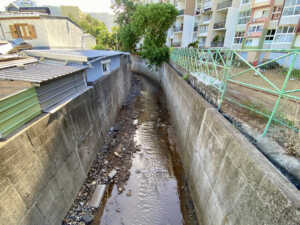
(188, 29)
(51, 32)
(70, 35)
(231, 22)
(40, 29)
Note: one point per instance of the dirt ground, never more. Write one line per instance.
(288, 110)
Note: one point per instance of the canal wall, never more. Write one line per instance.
(231, 182)
(43, 166)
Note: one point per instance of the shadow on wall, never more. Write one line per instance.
(230, 180)
(43, 167)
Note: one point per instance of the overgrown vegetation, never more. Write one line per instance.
(104, 38)
(186, 76)
(143, 29)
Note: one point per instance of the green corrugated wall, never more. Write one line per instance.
(17, 110)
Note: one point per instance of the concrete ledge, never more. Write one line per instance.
(230, 180)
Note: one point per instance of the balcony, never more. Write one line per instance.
(176, 44)
(217, 44)
(261, 3)
(180, 12)
(178, 29)
(207, 5)
(254, 34)
(219, 26)
(224, 5)
(259, 20)
(205, 20)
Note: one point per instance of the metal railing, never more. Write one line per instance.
(220, 25)
(225, 66)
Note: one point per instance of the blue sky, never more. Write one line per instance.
(84, 5)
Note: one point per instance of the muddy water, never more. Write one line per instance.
(155, 193)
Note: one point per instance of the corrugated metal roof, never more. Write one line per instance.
(38, 72)
(73, 55)
(16, 62)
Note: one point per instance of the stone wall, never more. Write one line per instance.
(230, 180)
(44, 165)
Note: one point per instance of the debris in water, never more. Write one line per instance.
(129, 193)
(112, 173)
(117, 154)
(97, 196)
(88, 219)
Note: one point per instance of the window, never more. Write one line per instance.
(249, 42)
(203, 29)
(245, 1)
(239, 37)
(244, 17)
(24, 31)
(270, 36)
(105, 66)
(265, 13)
(276, 12)
(256, 28)
(285, 34)
(291, 8)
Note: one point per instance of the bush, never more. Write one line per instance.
(128, 38)
(270, 66)
(193, 44)
(186, 76)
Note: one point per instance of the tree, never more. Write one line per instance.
(150, 23)
(124, 10)
(147, 24)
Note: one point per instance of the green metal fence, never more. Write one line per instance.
(224, 67)
(18, 109)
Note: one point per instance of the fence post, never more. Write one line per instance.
(228, 65)
(280, 95)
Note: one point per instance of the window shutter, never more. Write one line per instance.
(32, 32)
(13, 31)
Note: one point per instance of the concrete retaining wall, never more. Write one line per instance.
(230, 180)
(43, 166)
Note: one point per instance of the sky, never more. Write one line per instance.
(84, 5)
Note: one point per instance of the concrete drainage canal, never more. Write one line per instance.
(137, 178)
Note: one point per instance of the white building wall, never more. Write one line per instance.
(70, 35)
(51, 32)
(40, 29)
(188, 29)
(287, 20)
(231, 23)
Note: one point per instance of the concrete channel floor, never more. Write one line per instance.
(152, 194)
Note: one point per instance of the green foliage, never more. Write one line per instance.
(128, 38)
(270, 65)
(104, 39)
(153, 53)
(151, 23)
(148, 25)
(186, 76)
(194, 44)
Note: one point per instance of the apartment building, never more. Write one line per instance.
(256, 24)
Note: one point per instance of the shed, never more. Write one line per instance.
(99, 62)
(54, 83)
